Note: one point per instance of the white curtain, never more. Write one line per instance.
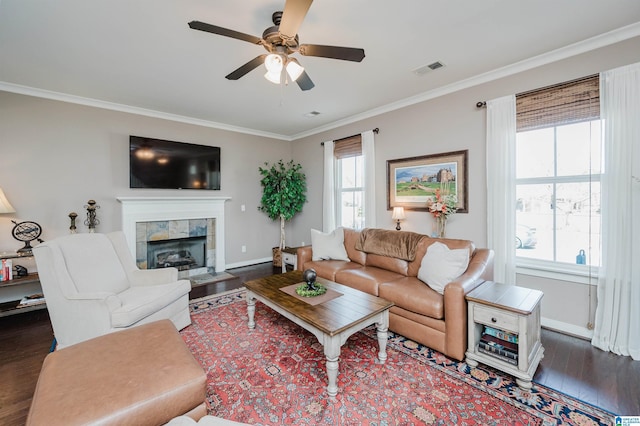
(368, 152)
(501, 197)
(617, 323)
(329, 190)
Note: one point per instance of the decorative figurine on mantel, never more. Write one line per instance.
(310, 288)
(92, 221)
(72, 227)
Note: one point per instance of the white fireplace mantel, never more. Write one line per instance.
(149, 209)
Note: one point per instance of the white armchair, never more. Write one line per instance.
(93, 287)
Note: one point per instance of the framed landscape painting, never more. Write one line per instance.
(412, 182)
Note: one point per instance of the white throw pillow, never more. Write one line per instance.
(328, 246)
(441, 265)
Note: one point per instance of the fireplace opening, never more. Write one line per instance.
(181, 253)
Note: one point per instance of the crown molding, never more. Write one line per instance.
(65, 97)
(602, 40)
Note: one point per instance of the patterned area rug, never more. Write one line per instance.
(275, 374)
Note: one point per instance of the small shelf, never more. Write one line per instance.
(14, 255)
(31, 278)
(11, 307)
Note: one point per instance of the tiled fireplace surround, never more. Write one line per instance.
(169, 218)
(152, 238)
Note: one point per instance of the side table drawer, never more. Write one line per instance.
(289, 260)
(495, 318)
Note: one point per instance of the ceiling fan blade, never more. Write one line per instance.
(292, 17)
(246, 68)
(203, 26)
(333, 52)
(304, 82)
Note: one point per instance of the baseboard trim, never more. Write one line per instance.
(248, 263)
(566, 328)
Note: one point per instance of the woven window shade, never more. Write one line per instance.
(570, 102)
(348, 147)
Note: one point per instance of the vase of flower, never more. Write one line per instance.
(441, 226)
(443, 205)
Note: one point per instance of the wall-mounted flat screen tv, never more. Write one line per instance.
(157, 163)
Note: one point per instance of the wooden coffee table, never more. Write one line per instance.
(332, 322)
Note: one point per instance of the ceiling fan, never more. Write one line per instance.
(281, 40)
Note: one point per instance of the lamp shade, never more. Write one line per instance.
(294, 69)
(273, 76)
(5, 205)
(398, 213)
(273, 63)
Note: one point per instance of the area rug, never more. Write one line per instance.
(275, 374)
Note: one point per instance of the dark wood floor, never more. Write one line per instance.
(570, 365)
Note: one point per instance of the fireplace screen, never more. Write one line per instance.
(183, 253)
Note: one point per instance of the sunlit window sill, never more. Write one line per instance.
(580, 274)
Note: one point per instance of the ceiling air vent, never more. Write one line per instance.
(426, 68)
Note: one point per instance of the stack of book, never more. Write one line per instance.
(6, 270)
(32, 300)
(499, 344)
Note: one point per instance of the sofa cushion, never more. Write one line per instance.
(328, 268)
(411, 294)
(328, 246)
(441, 265)
(366, 278)
(390, 263)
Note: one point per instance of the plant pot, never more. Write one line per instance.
(277, 257)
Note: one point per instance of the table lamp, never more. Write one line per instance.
(398, 215)
(5, 205)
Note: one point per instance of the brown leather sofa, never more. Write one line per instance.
(438, 321)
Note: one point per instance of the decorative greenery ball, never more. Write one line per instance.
(304, 291)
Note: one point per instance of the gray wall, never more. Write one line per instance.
(55, 156)
(450, 123)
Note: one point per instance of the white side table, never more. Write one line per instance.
(290, 258)
(514, 312)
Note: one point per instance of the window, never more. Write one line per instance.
(558, 167)
(350, 182)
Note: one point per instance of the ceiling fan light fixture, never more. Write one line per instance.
(294, 69)
(273, 77)
(273, 63)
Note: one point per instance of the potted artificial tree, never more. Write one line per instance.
(284, 189)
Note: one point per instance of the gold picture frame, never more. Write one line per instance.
(412, 182)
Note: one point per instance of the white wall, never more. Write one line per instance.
(55, 156)
(451, 123)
